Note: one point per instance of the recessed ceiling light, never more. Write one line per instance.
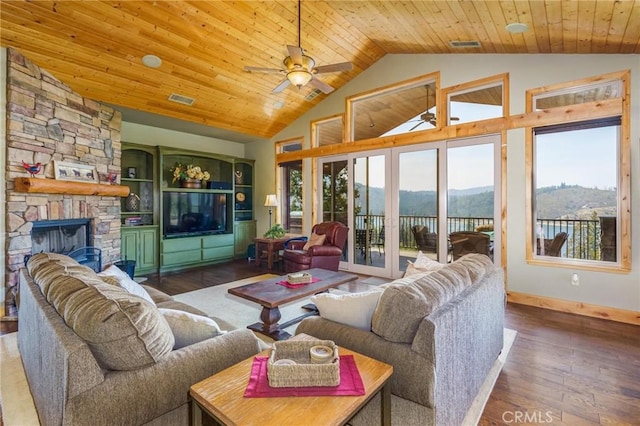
(152, 61)
(517, 27)
(278, 104)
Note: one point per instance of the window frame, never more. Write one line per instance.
(282, 181)
(623, 263)
(316, 130)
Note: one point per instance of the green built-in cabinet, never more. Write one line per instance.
(173, 224)
(245, 224)
(139, 211)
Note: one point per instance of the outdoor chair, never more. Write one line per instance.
(552, 247)
(425, 241)
(465, 242)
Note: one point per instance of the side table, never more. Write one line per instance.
(271, 246)
(222, 397)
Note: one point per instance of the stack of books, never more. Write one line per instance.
(133, 221)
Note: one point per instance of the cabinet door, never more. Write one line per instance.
(129, 245)
(148, 254)
(245, 232)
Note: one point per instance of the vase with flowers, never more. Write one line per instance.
(189, 175)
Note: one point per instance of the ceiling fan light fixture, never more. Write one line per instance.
(299, 77)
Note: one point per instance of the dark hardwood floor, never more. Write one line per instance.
(562, 369)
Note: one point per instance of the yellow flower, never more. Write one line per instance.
(182, 172)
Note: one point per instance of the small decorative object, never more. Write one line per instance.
(75, 172)
(299, 278)
(33, 169)
(321, 354)
(189, 172)
(276, 231)
(133, 202)
(132, 172)
(305, 372)
(240, 197)
(238, 177)
(112, 178)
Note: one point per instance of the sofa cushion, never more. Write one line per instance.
(188, 328)
(404, 304)
(353, 309)
(126, 282)
(123, 330)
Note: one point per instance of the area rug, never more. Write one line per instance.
(15, 399)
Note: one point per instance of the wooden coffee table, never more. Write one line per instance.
(222, 397)
(271, 295)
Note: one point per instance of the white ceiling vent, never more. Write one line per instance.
(464, 43)
(181, 99)
(312, 95)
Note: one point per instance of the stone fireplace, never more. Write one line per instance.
(46, 122)
(60, 236)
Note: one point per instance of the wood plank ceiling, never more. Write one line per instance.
(96, 47)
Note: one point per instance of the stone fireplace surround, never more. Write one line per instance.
(47, 121)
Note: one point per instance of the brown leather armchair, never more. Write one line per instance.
(325, 256)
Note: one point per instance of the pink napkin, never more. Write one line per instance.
(350, 382)
(289, 285)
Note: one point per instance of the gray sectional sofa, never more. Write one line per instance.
(95, 354)
(442, 332)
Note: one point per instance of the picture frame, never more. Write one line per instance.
(77, 172)
(132, 172)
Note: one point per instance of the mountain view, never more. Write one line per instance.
(554, 202)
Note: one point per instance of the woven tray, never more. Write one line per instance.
(303, 373)
(299, 278)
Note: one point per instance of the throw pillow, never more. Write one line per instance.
(314, 240)
(353, 309)
(189, 328)
(126, 282)
(422, 264)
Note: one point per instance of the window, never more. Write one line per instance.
(576, 190)
(327, 131)
(409, 106)
(478, 100)
(579, 184)
(290, 187)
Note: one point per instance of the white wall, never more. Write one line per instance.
(525, 72)
(155, 136)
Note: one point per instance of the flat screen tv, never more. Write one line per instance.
(187, 214)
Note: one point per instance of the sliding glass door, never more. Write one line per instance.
(399, 201)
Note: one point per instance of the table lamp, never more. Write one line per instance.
(271, 201)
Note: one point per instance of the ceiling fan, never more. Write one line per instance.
(428, 117)
(301, 69)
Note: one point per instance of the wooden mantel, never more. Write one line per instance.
(53, 186)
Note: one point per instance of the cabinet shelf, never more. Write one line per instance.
(136, 180)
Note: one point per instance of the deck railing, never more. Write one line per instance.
(583, 242)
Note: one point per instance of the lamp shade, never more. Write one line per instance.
(271, 201)
(299, 77)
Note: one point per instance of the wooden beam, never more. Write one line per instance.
(52, 186)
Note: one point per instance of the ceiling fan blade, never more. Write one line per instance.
(280, 87)
(342, 66)
(321, 85)
(259, 69)
(296, 54)
(417, 125)
(454, 119)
